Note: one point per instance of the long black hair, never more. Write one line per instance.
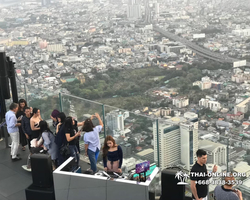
(35, 110)
(62, 116)
(21, 101)
(44, 127)
(68, 123)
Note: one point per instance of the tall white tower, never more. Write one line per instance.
(189, 143)
(115, 121)
(169, 144)
(157, 10)
(134, 9)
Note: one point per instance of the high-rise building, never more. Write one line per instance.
(169, 144)
(189, 143)
(157, 10)
(134, 9)
(178, 143)
(45, 2)
(126, 149)
(115, 122)
(148, 16)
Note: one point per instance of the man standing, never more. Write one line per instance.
(198, 176)
(12, 127)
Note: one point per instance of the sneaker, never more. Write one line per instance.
(90, 171)
(26, 168)
(16, 159)
(9, 145)
(1, 139)
(16, 155)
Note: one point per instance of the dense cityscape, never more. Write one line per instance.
(169, 77)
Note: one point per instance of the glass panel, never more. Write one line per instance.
(239, 162)
(45, 101)
(134, 133)
(82, 109)
(21, 93)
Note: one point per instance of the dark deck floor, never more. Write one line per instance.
(13, 179)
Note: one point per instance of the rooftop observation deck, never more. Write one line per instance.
(140, 138)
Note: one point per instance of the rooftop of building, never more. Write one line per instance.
(243, 103)
(209, 146)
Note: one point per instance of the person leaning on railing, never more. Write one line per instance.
(92, 140)
(226, 192)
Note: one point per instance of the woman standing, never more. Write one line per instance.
(34, 123)
(53, 116)
(19, 115)
(49, 141)
(92, 140)
(60, 139)
(112, 155)
(72, 138)
(75, 127)
(61, 117)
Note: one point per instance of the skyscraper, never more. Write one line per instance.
(134, 9)
(115, 122)
(157, 10)
(177, 143)
(45, 2)
(189, 143)
(147, 12)
(169, 144)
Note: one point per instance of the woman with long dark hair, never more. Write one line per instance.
(112, 155)
(71, 137)
(60, 119)
(19, 115)
(92, 140)
(49, 141)
(34, 123)
(60, 139)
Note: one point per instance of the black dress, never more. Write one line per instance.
(36, 133)
(22, 137)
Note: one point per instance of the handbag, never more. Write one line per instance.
(64, 150)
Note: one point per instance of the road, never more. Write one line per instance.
(199, 50)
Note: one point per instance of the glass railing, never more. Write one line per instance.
(134, 133)
(168, 142)
(46, 102)
(82, 109)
